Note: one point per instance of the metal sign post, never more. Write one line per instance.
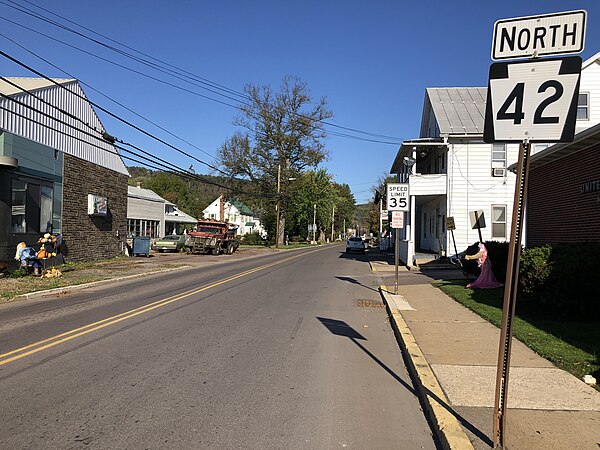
(397, 195)
(510, 296)
(397, 223)
(529, 101)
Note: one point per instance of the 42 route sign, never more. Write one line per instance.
(533, 101)
(397, 197)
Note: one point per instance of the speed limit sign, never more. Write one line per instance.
(533, 101)
(397, 197)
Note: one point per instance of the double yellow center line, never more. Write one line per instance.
(36, 347)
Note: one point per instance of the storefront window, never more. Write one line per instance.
(141, 227)
(19, 198)
(46, 209)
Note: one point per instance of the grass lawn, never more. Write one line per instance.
(572, 345)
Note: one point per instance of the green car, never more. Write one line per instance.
(170, 243)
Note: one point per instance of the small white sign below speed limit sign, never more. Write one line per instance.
(397, 197)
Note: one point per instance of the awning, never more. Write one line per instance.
(249, 224)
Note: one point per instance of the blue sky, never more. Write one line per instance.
(372, 60)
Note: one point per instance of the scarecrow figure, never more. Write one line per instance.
(486, 279)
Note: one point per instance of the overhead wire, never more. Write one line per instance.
(6, 55)
(171, 67)
(106, 96)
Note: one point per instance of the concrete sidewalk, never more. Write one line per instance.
(454, 352)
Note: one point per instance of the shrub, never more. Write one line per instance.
(563, 278)
(252, 239)
(535, 269)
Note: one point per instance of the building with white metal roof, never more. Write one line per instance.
(59, 171)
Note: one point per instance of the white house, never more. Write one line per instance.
(237, 213)
(451, 171)
(148, 214)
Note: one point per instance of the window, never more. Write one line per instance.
(142, 227)
(498, 156)
(46, 209)
(19, 204)
(583, 106)
(499, 221)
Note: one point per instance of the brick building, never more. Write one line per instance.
(58, 171)
(563, 203)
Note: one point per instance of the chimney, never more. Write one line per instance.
(221, 208)
(139, 184)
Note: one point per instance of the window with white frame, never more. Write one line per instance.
(142, 227)
(499, 221)
(498, 156)
(583, 106)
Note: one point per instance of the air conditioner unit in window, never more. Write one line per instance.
(498, 172)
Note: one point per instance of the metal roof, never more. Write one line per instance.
(23, 114)
(458, 110)
(146, 194)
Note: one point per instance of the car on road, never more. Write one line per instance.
(170, 243)
(355, 243)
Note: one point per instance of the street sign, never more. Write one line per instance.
(533, 101)
(397, 197)
(450, 223)
(541, 35)
(477, 219)
(397, 219)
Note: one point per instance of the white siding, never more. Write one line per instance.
(590, 83)
(471, 187)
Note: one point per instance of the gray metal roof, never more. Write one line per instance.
(458, 110)
(31, 118)
(146, 194)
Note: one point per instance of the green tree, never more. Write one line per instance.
(283, 132)
(317, 187)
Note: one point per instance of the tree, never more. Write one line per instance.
(282, 131)
(316, 187)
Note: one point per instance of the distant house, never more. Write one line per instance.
(237, 213)
(148, 214)
(451, 171)
(59, 171)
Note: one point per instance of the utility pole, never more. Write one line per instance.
(332, 224)
(278, 207)
(314, 223)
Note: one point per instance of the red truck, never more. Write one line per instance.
(212, 236)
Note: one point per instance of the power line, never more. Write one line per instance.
(170, 68)
(110, 113)
(107, 96)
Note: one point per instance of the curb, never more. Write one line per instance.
(446, 427)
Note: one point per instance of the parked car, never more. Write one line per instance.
(355, 243)
(170, 243)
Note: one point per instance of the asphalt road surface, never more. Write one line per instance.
(287, 351)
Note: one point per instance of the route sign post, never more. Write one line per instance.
(529, 101)
(397, 200)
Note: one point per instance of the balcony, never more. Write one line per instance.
(431, 184)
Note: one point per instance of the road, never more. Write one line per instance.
(292, 350)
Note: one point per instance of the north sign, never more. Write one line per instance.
(541, 35)
(533, 101)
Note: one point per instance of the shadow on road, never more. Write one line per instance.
(341, 328)
(354, 281)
